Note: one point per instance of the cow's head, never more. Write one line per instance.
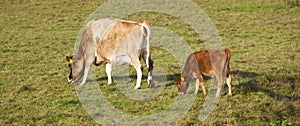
(181, 84)
(70, 63)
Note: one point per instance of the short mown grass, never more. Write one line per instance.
(263, 37)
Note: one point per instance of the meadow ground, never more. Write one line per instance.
(263, 37)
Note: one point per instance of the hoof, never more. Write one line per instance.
(70, 80)
(135, 88)
(151, 84)
(180, 93)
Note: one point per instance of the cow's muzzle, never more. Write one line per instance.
(180, 93)
(70, 80)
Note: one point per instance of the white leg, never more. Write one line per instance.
(197, 87)
(147, 58)
(149, 62)
(85, 74)
(108, 69)
(150, 69)
(138, 78)
(137, 65)
(229, 84)
(149, 78)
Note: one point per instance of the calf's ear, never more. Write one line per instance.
(182, 79)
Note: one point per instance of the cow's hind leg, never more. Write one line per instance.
(149, 63)
(150, 69)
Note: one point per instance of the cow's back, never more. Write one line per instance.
(211, 60)
(108, 36)
(99, 27)
(115, 41)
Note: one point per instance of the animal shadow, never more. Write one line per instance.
(259, 83)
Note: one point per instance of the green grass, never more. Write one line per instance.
(262, 35)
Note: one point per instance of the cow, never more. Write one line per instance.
(205, 62)
(112, 42)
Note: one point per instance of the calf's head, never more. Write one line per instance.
(182, 85)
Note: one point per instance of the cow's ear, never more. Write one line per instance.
(69, 59)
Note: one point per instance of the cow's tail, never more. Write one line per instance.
(227, 63)
(146, 35)
(147, 57)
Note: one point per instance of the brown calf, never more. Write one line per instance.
(209, 62)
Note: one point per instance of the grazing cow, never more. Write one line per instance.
(114, 42)
(208, 63)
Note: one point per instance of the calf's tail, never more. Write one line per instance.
(227, 63)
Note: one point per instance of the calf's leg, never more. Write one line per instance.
(197, 87)
(220, 84)
(200, 82)
(228, 81)
(202, 86)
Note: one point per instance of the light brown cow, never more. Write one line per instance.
(114, 42)
(208, 63)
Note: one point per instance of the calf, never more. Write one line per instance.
(208, 63)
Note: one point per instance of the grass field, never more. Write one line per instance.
(264, 38)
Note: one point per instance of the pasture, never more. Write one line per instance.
(263, 36)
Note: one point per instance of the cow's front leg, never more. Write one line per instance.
(108, 69)
(137, 65)
(85, 74)
(138, 78)
(87, 66)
